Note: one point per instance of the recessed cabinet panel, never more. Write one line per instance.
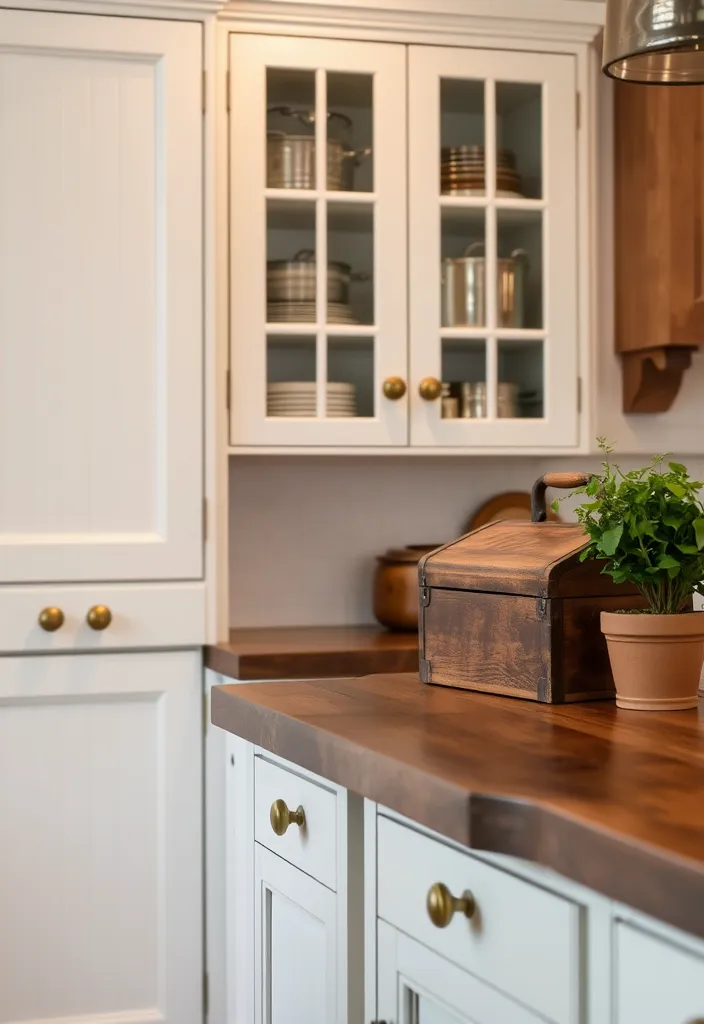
(101, 296)
(318, 254)
(492, 215)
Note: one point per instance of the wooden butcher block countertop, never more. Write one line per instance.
(611, 799)
(312, 651)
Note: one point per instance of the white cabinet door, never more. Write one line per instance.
(100, 832)
(655, 982)
(417, 986)
(318, 198)
(295, 937)
(493, 233)
(100, 292)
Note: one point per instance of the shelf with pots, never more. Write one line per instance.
(382, 169)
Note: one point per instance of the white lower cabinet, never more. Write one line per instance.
(656, 982)
(295, 940)
(417, 986)
(100, 833)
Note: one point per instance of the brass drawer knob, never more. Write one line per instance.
(51, 619)
(280, 817)
(430, 389)
(394, 388)
(99, 617)
(442, 905)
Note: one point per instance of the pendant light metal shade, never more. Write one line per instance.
(660, 42)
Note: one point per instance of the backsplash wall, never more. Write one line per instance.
(304, 532)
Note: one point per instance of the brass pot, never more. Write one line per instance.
(396, 587)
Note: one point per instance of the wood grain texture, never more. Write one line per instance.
(307, 652)
(611, 799)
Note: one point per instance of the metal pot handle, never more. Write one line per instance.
(306, 117)
(473, 248)
(304, 256)
(358, 155)
(521, 256)
(334, 114)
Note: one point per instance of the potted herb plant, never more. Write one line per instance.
(648, 527)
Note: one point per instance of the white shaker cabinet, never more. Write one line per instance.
(100, 833)
(101, 312)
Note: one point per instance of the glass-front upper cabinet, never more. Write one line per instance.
(318, 242)
(493, 248)
(417, 986)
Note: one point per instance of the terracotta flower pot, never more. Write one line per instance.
(656, 659)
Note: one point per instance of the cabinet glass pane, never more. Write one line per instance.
(462, 132)
(290, 128)
(462, 271)
(350, 263)
(291, 376)
(521, 376)
(520, 269)
(350, 132)
(351, 386)
(464, 379)
(519, 140)
(291, 268)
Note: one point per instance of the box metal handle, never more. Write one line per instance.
(565, 481)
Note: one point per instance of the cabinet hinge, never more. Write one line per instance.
(227, 390)
(227, 91)
(425, 671)
(579, 394)
(578, 103)
(205, 518)
(206, 993)
(204, 91)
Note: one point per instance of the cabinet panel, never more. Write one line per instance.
(656, 983)
(100, 828)
(416, 986)
(295, 945)
(100, 291)
(493, 248)
(318, 241)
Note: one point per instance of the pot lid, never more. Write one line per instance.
(306, 258)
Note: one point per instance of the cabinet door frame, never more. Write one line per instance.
(163, 539)
(559, 208)
(249, 57)
(272, 875)
(405, 966)
(167, 687)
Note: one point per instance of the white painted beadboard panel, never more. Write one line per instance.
(304, 532)
(100, 832)
(250, 56)
(556, 75)
(100, 298)
(143, 615)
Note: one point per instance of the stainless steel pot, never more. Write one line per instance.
(290, 158)
(463, 289)
(295, 280)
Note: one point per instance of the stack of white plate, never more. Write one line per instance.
(297, 398)
(304, 313)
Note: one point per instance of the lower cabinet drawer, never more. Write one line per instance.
(310, 846)
(521, 939)
(656, 983)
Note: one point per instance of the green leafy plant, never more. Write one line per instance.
(648, 527)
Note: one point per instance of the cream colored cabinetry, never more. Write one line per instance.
(406, 225)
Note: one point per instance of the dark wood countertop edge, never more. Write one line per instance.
(645, 878)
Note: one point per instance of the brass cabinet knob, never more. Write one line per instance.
(442, 905)
(51, 619)
(430, 389)
(280, 817)
(394, 388)
(99, 617)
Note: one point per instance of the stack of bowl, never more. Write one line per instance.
(463, 172)
(298, 398)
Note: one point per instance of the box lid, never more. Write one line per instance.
(532, 559)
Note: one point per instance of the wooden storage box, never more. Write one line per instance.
(510, 609)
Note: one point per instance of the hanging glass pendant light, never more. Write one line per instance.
(660, 42)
